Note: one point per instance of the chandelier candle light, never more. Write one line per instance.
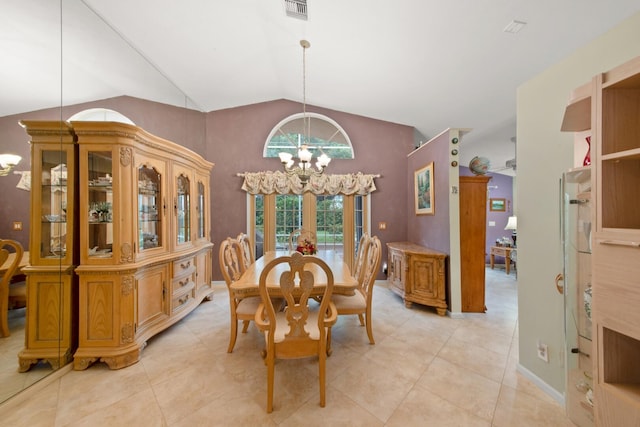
(304, 170)
(8, 162)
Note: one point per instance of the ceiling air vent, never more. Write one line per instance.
(296, 8)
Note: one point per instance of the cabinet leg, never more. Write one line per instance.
(408, 304)
(441, 311)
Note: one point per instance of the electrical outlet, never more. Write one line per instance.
(543, 352)
(17, 226)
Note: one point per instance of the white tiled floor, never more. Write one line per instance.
(424, 370)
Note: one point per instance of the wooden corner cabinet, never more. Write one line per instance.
(121, 221)
(615, 255)
(417, 274)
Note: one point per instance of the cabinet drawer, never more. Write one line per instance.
(180, 284)
(183, 266)
(182, 297)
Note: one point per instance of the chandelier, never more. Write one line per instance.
(8, 162)
(304, 169)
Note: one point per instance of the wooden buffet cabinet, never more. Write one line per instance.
(417, 274)
(611, 111)
(137, 243)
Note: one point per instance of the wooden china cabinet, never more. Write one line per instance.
(145, 252)
(120, 241)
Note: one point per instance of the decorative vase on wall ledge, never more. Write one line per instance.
(587, 157)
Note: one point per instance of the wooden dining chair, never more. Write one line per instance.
(297, 331)
(6, 280)
(246, 250)
(360, 302)
(243, 309)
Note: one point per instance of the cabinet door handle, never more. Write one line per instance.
(619, 243)
(560, 278)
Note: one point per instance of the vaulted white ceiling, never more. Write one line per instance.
(431, 64)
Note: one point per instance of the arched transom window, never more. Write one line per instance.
(322, 135)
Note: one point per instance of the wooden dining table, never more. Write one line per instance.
(343, 282)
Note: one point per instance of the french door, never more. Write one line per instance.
(338, 221)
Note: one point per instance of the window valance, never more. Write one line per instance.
(280, 182)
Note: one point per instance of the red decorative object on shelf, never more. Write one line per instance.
(587, 157)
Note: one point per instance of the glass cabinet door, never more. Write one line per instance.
(183, 209)
(100, 207)
(577, 295)
(150, 205)
(200, 211)
(53, 204)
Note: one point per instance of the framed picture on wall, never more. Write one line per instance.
(423, 189)
(497, 205)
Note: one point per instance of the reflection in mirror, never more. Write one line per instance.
(60, 58)
(30, 45)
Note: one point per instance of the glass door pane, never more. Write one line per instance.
(259, 225)
(200, 211)
(54, 204)
(149, 204)
(100, 209)
(577, 295)
(329, 224)
(183, 209)
(288, 218)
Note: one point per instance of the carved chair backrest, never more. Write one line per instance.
(361, 254)
(246, 250)
(230, 260)
(296, 285)
(371, 266)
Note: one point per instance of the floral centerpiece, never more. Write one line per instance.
(306, 247)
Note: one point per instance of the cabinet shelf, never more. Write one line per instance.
(633, 154)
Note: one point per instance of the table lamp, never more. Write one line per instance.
(512, 224)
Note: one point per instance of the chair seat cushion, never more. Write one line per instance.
(248, 306)
(349, 302)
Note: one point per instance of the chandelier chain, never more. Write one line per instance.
(305, 133)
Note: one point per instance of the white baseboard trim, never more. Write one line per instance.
(555, 394)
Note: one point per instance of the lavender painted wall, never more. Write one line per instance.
(430, 230)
